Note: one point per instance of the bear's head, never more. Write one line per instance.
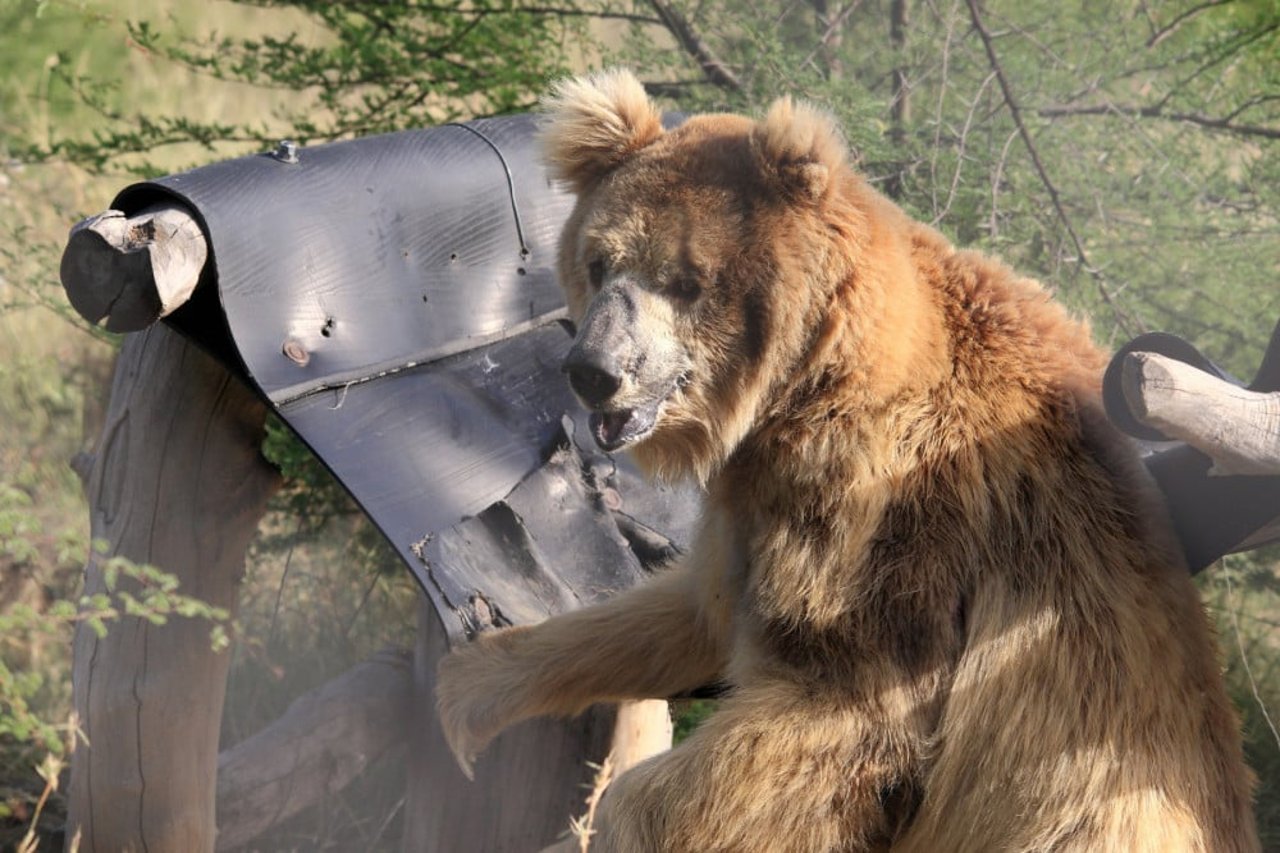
(696, 263)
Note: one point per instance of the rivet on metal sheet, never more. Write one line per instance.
(286, 151)
(296, 352)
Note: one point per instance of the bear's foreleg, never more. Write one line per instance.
(651, 641)
(775, 770)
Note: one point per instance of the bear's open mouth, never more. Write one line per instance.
(613, 430)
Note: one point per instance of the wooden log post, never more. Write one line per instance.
(1238, 429)
(178, 482)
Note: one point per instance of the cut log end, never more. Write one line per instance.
(1237, 428)
(127, 272)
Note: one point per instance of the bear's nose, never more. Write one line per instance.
(593, 378)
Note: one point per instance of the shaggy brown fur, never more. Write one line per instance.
(936, 579)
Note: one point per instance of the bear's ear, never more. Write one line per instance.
(593, 123)
(800, 149)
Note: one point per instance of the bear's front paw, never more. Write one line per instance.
(474, 689)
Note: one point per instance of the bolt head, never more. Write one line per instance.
(296, 352)
(286, 151)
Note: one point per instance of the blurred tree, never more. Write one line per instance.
(1120, 152)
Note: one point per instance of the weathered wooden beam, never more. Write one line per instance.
(178, 481)
(129, 271)
(325, 739)
(1238, 429)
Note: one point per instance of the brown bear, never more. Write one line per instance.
(943, 593)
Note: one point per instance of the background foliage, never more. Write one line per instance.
(1125, 152)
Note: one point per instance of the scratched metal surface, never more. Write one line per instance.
(370, 253)
(394, 298)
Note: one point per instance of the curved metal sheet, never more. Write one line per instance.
(395, 299)
(377, 253)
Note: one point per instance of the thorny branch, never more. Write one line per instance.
(1123, 319)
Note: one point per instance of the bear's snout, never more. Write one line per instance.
(594, 375)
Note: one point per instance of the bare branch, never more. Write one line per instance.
(832, 30)
(1250, 104)
(1171, 27)
(676, 23)
(1237, 44)
(1122, 317)
(1157, 111)
(672, 88)
(996, 178)
(960, 149)
(942, 87)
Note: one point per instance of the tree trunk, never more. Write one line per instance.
(177, 482)
(900, 103)
(899, 17)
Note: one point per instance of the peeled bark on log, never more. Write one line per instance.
(643, 730)
(133, 270)
(1238, 429)
(325, 739)
(178, 483)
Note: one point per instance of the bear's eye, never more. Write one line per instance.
(595, 273)
(685, 288)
